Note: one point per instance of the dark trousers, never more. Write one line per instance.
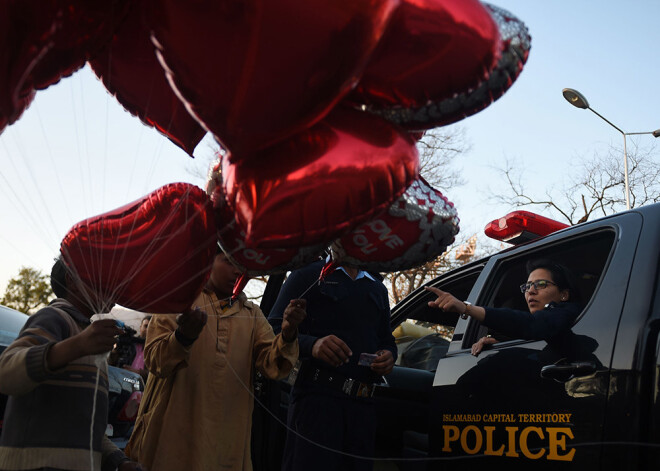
(330, 433)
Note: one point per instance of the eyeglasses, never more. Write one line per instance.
(538, 284)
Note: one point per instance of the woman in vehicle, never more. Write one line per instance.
(550, 294)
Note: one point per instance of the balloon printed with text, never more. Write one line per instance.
(418, 227)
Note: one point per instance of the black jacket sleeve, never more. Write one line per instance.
(545, 324)
(295, 285)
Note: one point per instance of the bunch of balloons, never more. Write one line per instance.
(318, 106)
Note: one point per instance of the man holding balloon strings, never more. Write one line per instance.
(56, 376)
(346, 345)
(196, 413)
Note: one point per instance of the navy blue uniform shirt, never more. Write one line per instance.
(555, 319)
(357, 311)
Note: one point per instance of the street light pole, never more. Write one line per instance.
(578, 100)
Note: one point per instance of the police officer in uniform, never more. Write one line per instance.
(346, 346)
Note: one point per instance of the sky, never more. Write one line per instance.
(76, 153)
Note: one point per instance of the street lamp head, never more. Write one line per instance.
(576, 99)
(656, 133)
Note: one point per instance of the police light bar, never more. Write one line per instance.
(521, 226)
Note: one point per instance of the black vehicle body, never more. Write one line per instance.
(125, 387)
(590, 402)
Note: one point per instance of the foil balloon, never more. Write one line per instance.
(20, 48)
(130, 70)
(252, 261)
(239, 286)
(255, 72)
(82, 28)
(431, 50)
(468, 92)
(321, 183)
(417, 227)
(44, 41)
(12, 109)
(329, 267)
(416, 135)
(152, 255)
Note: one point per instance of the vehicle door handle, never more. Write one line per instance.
(562, 372)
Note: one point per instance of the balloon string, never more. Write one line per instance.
(91, 422)
(310, 287)
(146, 256)
(300, 296)
(285, 425)
(173, 267)
(36, 223)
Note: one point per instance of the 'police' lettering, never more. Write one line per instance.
(471, 441)
(451, 435)
(489, 443)
(523, 442)
(478, 439)
(556, 443)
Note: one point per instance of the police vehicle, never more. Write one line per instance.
(591, 402)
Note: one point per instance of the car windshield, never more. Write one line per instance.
(11, 322)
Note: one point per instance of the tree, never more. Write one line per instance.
(29, 291)
(596, 189)
(438, 149)
(402, 283)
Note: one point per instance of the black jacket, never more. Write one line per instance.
(546, 324)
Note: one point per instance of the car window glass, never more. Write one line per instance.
(423, 334)
(585, 256)
(11, 322)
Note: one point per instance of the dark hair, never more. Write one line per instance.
(561, 275)
(148, 318)
(58, 278)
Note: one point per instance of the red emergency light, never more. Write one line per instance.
(521, 226)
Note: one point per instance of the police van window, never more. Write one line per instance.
(423, 334)
(586, 256)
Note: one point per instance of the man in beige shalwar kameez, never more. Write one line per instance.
(196, 413)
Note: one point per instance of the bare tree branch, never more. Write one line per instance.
(598, 186)
(438, 149)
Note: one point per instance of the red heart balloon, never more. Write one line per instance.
(45, 40)
(414, 230)
(257, 71)
(445, 89)
(130, 71)
(239, 285)
(431, 50)
(20, 46)
(11, 110)
(252, 261)
(322, 182)
(82, 29)
(152, 255)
